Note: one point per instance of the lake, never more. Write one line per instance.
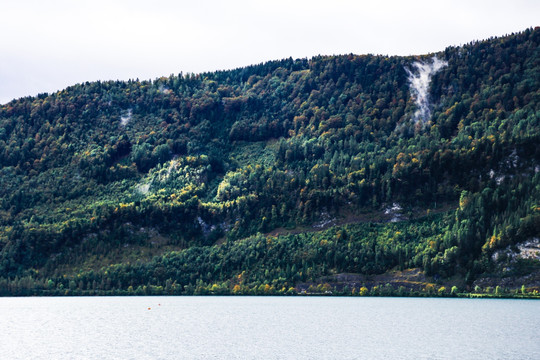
(268, 328)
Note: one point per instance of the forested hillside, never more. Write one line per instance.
(280, 176)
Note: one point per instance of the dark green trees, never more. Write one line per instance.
(194, 160)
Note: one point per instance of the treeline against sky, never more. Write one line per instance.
(204, 160)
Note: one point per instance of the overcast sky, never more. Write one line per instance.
(48, 45)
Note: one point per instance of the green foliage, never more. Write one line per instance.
(193, 166)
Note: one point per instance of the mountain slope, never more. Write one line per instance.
(185, 166)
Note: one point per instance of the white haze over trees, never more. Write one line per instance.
(419, 82)
(49, 45)
(125, 119)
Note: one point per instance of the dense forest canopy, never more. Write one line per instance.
(235, 178)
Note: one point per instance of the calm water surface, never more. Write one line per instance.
(268, 328)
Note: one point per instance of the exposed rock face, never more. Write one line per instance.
(529, 249)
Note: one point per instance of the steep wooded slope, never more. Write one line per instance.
(105, 172)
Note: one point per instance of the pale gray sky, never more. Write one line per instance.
(48, 45)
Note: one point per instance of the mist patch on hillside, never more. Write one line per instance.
(419, 79)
